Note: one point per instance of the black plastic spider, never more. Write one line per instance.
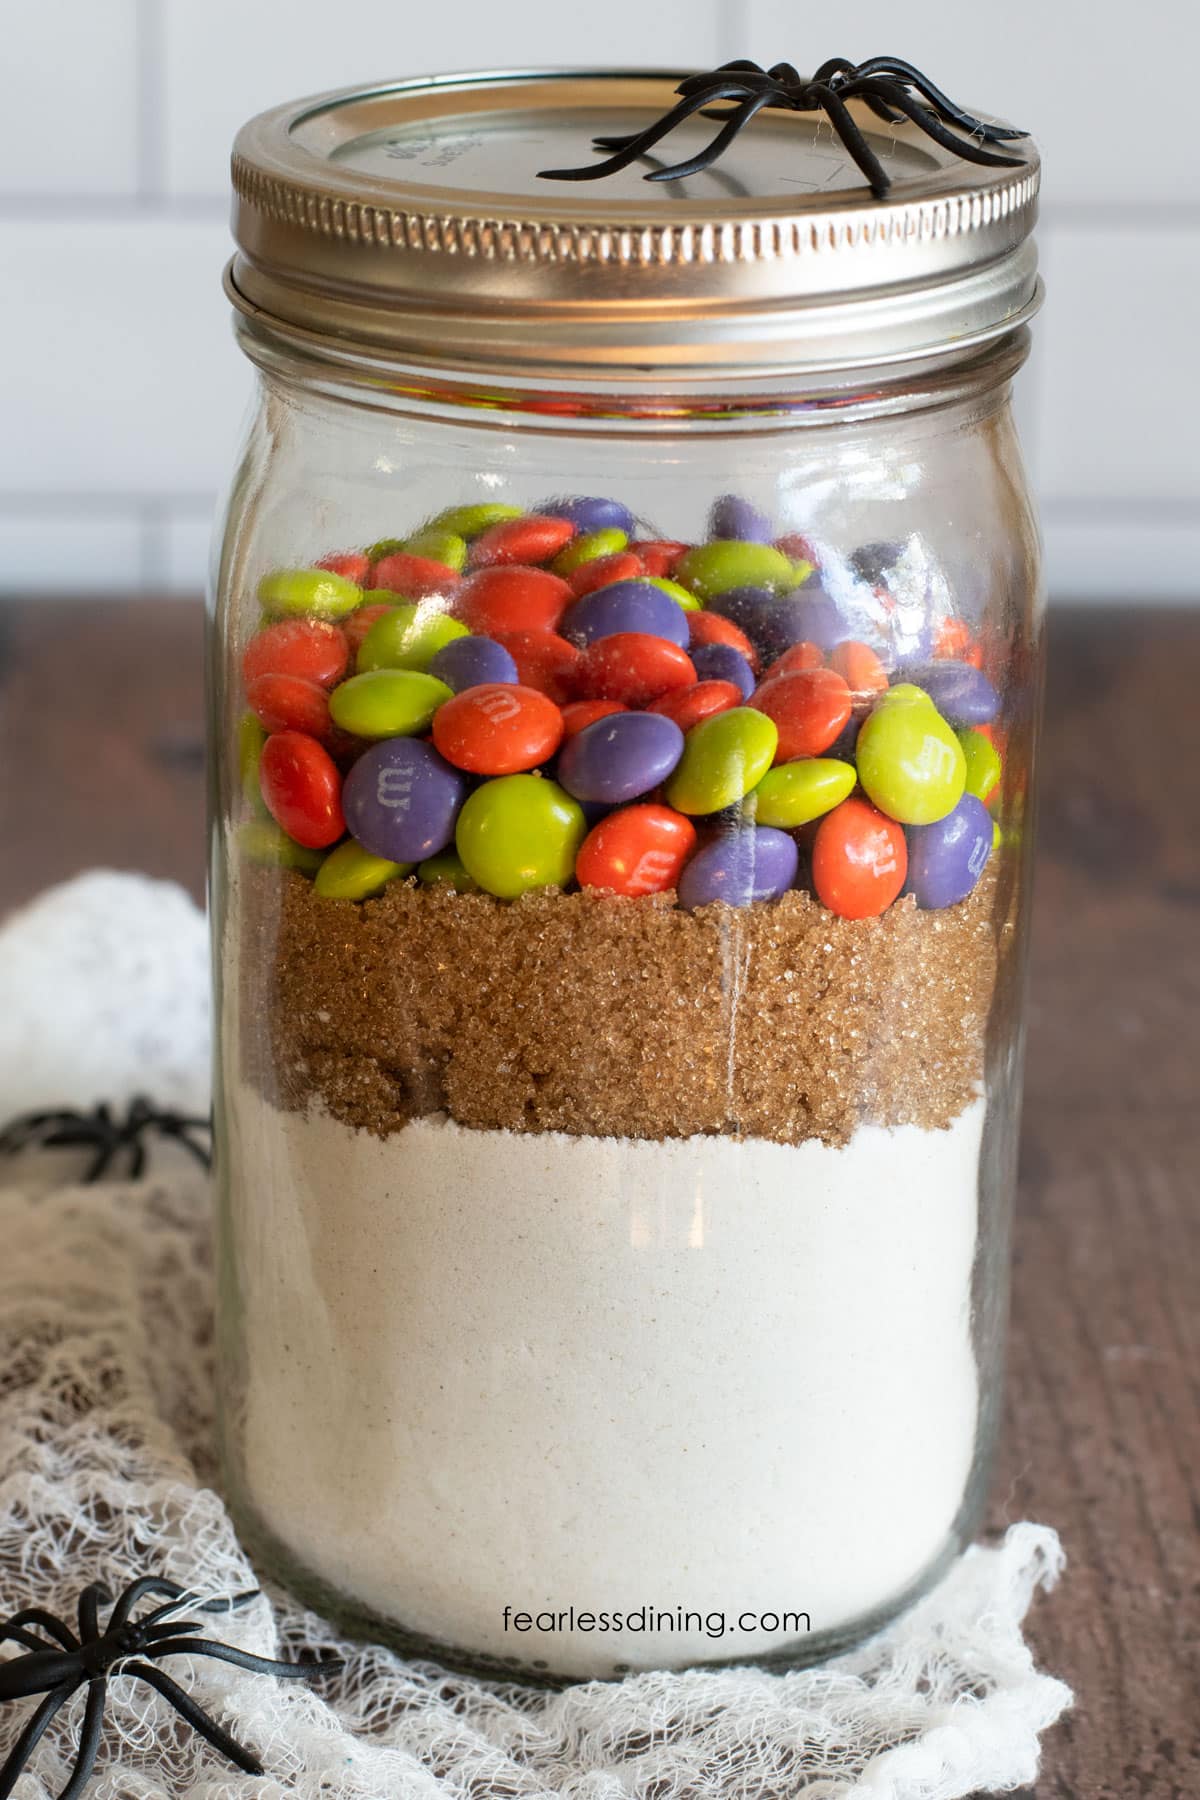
(893, 89)
(109, 1134)
(58, 1662)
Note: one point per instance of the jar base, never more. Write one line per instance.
(273, 1560)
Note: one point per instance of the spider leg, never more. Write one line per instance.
(932, 126)
(196, 1717)
(89, 1740)
(38, 1671)
(896, 66)
(633, 147)
(54, 1628)
(29, 1640)
(30, 1737)
(139, 1590)
(99, 1163)
(242, 1659)
(231, 1604)
(842, 122)
(703, 159)
(92, 1598)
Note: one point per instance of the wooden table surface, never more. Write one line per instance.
(101, 746)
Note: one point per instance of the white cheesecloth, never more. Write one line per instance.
(107, 1472)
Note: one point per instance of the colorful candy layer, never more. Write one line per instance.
(508, 701)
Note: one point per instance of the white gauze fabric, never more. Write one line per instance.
(107, 1471)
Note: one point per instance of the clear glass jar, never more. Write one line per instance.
(617, 1109)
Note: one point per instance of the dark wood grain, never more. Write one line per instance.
(100, 741)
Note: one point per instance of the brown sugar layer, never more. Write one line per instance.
(592, 1014)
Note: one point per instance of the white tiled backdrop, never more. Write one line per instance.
(122, 390)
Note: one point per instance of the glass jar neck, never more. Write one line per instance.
(647, 401)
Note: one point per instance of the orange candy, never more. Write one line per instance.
(310, 648)
(687, 706)
(544, 661)
(494, 602)
(289, 703)
(497, 729)
(351, 563)
(412, 577)
(810, 708)
(533, 539)
(623, 565)
(954, 640)
(859, 860)
(634, 667)
(711, 628)
(579, 714)
(860, 669)
(796, 658)
(637, 850)
(302, 787)
(658, 555)
(359, 622)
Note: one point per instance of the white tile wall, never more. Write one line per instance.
(122, 374)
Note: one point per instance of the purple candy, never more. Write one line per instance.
(590, 513)
(470, 661)
(946, 860)
(402, 800)
(722, 662)
(962, 693)
(745, 606)
(625, 606)
(807, 616)
(739, 867)
(733, 517)
(620, 757)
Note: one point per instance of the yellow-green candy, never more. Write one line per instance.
(910, 763)
(801, 570)
(251, 736)
(262, 841)
(794, 793)
(678, 593)
(447, 869)
(589, 548)
(469, 521)
(408, 637)
(520, 832)
(352, 873)
(983, 763)
(446, 547)
(711, 569)
(307, 594)
(723, 758)
(386, 703)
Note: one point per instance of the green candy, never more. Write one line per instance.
(385, 547)
(801, 570)
(983, 763)
(592, 545)
(408, 637)
(469, 521)
(520, 832)
(352, 873)
(262, 841)
(445, 547)
(794, 793)
(711, 569)
(448, 870)
(679, 594)
(910, 763)
(387, 703)
(723, 758)
(251, 736)
(307, 593)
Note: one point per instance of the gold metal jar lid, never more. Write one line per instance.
(409, 221)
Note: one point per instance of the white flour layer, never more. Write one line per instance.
(490, 1370)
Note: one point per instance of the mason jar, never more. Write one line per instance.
(626, 664)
